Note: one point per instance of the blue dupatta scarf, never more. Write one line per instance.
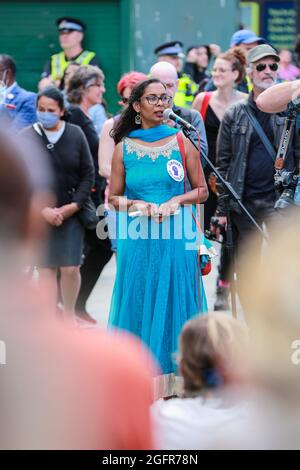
(154, 133)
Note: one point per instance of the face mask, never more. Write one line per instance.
(48, 120)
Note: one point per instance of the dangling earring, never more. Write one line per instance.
(138, 119)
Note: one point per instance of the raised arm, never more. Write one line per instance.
(106, 149)
(276, 98)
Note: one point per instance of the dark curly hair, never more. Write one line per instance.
(126, 123)
(53, 93)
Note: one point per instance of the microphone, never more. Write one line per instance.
(169, 114)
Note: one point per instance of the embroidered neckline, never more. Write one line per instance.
(151, 152)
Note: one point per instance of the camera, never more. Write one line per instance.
(214, 221)
(286, 183)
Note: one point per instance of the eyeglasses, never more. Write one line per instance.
(154, 99)
(261, 67)
(221, 70)
(99, 85)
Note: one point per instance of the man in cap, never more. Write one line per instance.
(243, 159)
(246, 40)
(172, 52)
(71, 33)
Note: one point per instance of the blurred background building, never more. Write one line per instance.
(124, 33)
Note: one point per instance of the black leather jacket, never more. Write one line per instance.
(233, 146)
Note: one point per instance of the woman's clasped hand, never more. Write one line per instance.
(157, 212)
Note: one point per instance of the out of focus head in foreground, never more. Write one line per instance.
(60, 387)
(272, 295)
(273, 300)
(23, 190)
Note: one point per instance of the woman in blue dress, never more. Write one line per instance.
(158, 285)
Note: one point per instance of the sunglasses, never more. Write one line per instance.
(261, 67)
(65, 31)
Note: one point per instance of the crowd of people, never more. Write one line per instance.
(134, 184)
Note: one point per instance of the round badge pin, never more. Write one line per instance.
(175, 170)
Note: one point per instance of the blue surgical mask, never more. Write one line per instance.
(48, 120)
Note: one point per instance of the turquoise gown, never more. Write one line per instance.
(158, 283)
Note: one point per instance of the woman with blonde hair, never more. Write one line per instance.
(210, 359)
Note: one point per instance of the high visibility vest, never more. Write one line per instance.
(249, 84)
(59, 63)
(185, 94)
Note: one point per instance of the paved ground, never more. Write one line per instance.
(99, 301)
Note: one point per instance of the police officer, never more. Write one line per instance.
(172, 52)
(71, 33)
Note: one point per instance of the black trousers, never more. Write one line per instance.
(262, 210)
(97, 254)
(210, 206)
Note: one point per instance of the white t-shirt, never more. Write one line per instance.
(192, 423)
(54, 136)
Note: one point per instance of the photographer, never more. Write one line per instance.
(243, 157)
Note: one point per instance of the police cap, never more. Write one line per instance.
(67, 23)
(170, 48)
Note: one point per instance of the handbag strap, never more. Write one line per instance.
(261, 133)
(50, 147)
(205, 103)
(183, 155)
(53, 151)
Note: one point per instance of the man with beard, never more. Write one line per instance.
(243, 159)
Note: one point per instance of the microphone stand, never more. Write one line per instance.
(230, 193)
